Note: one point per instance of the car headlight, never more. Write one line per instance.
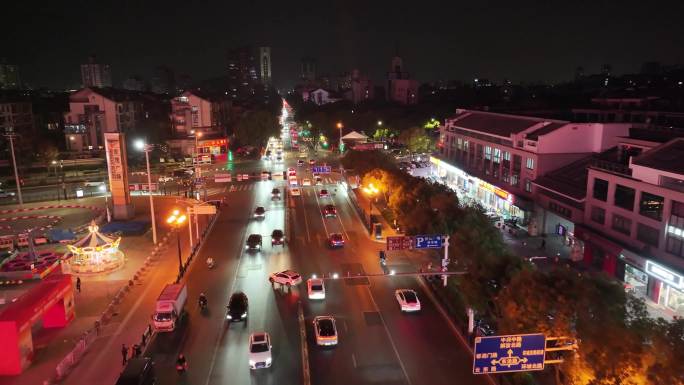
(268, 361)
(228, 316)
(244, 315)
(252, 362)
(247, 247)
(258, 246)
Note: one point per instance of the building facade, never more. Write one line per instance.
(94, 74)
(94, 111)
(634, 223)
(16, 115)
(199, 111)
(9, 76)
(264, 65)
(493, 159)
(400, 87)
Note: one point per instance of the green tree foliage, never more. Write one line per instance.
(364, 161)
(416, 140)
(255, 127)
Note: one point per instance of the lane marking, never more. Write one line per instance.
(450, 322)
(354, 360)
(232, 289)
(389, 336)
(306, 373)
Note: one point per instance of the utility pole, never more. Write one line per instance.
(147, 148)
(11, 135)
(445, 260)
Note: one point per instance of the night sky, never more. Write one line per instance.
(521, 40)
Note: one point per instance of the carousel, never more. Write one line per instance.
(95, 253)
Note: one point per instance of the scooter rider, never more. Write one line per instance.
(202, 300)
(210, 262)
(181, 363)
(383, 258)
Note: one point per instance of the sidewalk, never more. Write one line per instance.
(51, 346)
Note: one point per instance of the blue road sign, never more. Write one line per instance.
(512, 353)
(428, 241)
(321, 169)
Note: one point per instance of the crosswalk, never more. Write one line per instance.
(249, 186)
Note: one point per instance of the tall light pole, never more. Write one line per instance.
(176, 219)
(198, 170)
(11, 135)
(339, 127)
(147, 148)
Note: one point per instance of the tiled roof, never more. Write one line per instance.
(668, 157)
(117, 94)
(499, 124)
(545, 130)
(570, 180)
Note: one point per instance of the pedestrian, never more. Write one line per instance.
(78, 284)
(124, 354)
(144, 339)
(543, 244)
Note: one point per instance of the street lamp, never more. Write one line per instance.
(197, 135)
(141, 145)
(379, 122)
(339, 127)
(176, 219)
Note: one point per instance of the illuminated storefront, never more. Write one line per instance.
(213, 149)
(471, 189)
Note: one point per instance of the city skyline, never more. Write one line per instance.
(525, 42)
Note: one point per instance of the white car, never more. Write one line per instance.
(260, 350)
(408, 300)
(295, 191)
(6, 194)
(293, 181)
(287, 278)
(316, 288)
(325, 330)
(265, 175)
(165, 178)
(306, 182)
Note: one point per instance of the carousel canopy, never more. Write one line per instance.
(94, 238)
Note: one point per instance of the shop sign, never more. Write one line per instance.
(632, 258)
(671, 278)
(501, 193)
(215, 142)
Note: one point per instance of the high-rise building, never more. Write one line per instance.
(248, 68)
(9, 76)
(94, 74)
(308, 69)
(400, 87)
(163, 81)
(265, 65)
(134, 83)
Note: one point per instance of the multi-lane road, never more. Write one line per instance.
(377, 343)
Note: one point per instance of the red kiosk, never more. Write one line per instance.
(52, 300)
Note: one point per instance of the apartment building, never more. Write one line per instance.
(634, 223)
(93, 111)
(198, 110)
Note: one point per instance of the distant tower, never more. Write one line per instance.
(265, 65)
(9, 76)
(606, 69)
(95, 75)
(308, 70)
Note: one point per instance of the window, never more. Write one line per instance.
(488, 152)
(647, 234)
(622, 224)
(459, 143)
(651, 206)
(497, 155)
(624, 197)
(507, 155)
(600, 189)
(598, 215)
(465, 145)
(528, 185)
(517, 160)
(530, 163)
(515, 180)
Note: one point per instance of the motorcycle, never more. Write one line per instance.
(210, 264)
(181, 368)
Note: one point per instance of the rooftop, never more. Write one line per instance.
(570, 180)
(667, 157)
(502, 124)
